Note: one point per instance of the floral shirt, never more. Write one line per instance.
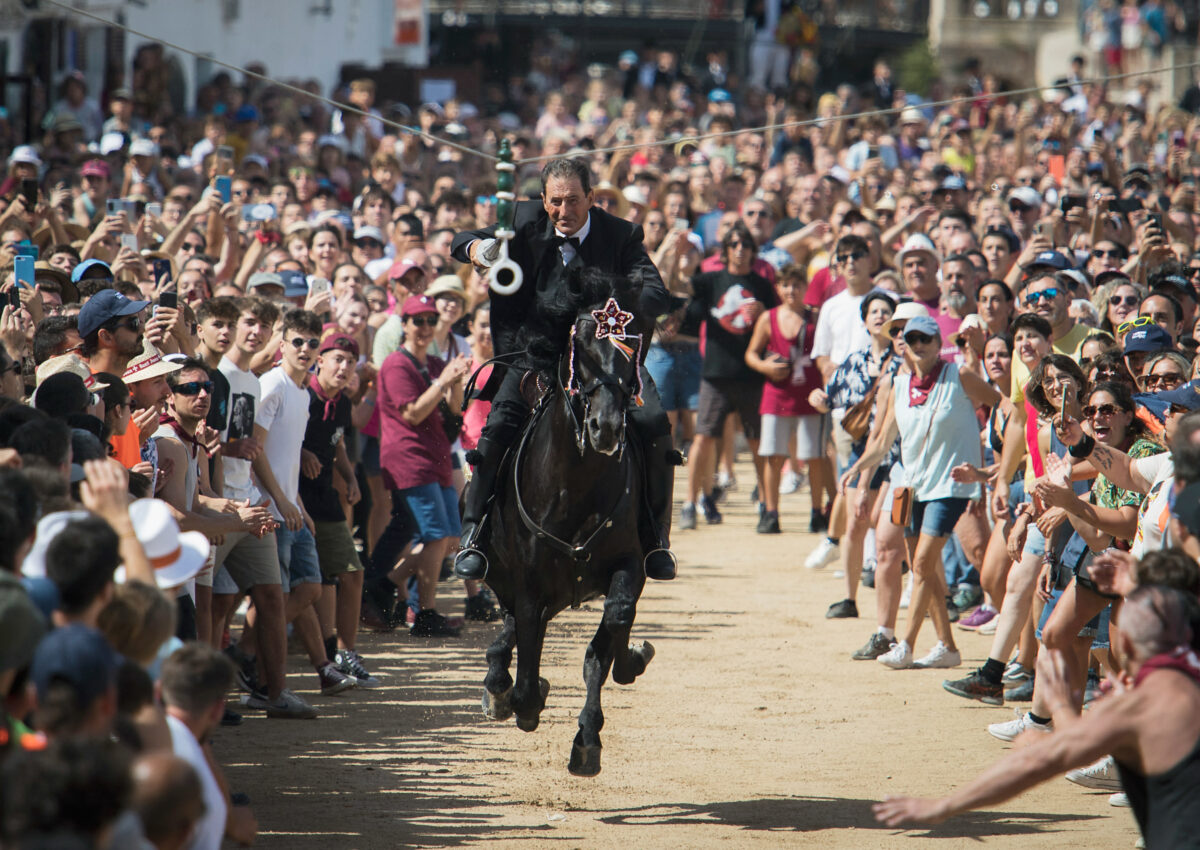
(1109, 495)
(850, 384)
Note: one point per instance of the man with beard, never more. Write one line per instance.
(111, 326)
(959, 285)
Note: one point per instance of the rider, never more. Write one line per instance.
(562, 233)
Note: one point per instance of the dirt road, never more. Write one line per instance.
(751, 728)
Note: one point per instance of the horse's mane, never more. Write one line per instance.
(545, 334)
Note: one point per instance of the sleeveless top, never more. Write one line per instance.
(192, 475)
(937, 436)
(789, 397)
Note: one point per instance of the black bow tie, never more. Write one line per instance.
(573, 241)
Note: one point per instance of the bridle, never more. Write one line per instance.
(627, 389)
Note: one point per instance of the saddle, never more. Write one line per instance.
(535, 384)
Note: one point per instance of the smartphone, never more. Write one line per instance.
(162, 273)
(872, 151)
(225, 152)
(30, 190)
(129, 240)
(1155, 220)
(1126, 205)
(169, 300)
(1069, 202)
(225, 188)
(1177, 140)
(114, 206)
(154, 210)
(23, 271)
(679, 224)
(25, 248)
(319, 285)
(14, 298)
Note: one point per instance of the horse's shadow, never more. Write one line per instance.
(812, 814)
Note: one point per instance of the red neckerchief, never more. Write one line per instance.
(1181, 658)
(330, 400)
(920, 388)
(184, 437)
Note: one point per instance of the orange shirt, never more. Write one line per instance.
(127, 448)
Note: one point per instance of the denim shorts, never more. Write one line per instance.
(879, 477)
(298, 560)
(370, 456)
(1096, 628)
(435, 508)
(1035, 541)
(936, 517)
(676, 372)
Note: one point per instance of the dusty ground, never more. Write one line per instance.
(751, 728)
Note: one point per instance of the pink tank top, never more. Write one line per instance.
(789, 397)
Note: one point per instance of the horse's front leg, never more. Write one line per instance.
(629, 661)
(498, 684)
(529, 693)
(585, 751)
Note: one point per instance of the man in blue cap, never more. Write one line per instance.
(111, 329)
(1143, 341)
(75, 673)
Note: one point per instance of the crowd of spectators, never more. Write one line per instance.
(235, 350)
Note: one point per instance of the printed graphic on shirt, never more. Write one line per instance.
(241, 417)
(732, 310)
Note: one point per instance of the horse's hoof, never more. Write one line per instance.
(643, 650)
(544, 688)
(585, 761)
(497, 706)
(528, 723)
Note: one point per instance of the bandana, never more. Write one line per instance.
(1181, 658)
(330, 400)
(920, 388)
(184, 437)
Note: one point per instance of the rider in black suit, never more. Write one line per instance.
(563, 232)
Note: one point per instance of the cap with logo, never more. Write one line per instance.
(105, 305)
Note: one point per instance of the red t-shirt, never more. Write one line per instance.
(411, 455)
(822, 287)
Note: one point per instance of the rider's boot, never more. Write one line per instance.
(661, 460)
(471, 562)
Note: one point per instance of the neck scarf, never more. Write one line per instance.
(920, 388)
(330, 400)
(1181, 658)
(184, 437)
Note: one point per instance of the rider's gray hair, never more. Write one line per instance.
(566, 169)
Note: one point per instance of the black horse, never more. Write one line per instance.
(564, 525)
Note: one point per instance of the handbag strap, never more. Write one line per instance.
(422, 370)
(937, 384)
(875, 384)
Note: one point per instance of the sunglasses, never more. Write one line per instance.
(737, 244)
(191, 247)
(842, 259)
(918, 338)
(485, 199)
(1093, 410)
(1044, 295)
(300, 342)
(896, 331)
(1139, 322)
(1166, 380)
(194, 388)
(1127, 300)
(14, 367)
(424, 321)
(1099, 253)
(132, 323)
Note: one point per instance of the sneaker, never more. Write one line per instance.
(868, 572)
(940, 657)
(906, 595)
(989, 628)
(350, 663)
(790, 483)
(711, 515)
(290, 706)
(333, 680)
(768, 523)
(1100, 776)
(481, 608)
(231, 718)
(976, 687)
(1016, 672)
(1120, 799)
(876, 646)
(826, 553)
(258, 700)
(1010, 729)
(687, 516)
(1021, 691)
(718, 494)
(247, 670)
(429, 623)
(966, 595)
(981, 616)
(842, 610)
(818, 523)
(726, 482)
(952, 610)
(899, 657)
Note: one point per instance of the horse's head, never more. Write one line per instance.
(600, 369)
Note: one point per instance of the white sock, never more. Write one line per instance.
(869, 545)
(886, 632)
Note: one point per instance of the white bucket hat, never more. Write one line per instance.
(175, 555)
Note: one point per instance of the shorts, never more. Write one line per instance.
(843, 446)
(1016, 493)
(812, 432)
(675, 369)
(245, 562)
(370, 457)
(435, 509)
(1035, 542)
(720, 398)
(335, 550)
(936, 517)
(204, 578)
(298, 562)
(881, 475)
(1095, 628)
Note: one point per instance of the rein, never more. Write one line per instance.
(469, 389)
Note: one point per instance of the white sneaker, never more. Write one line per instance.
(289, 705)
(790, 483)
(906, 596)
(1100, 776)
(1120, 800)
(989, 628)
(726, 482)
(939, 656)
(1010, 729)
(899, 657)
(826, 553)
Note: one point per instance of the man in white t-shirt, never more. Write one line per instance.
(840, 329)
(194, 681)
(248, 562)
(279, 426)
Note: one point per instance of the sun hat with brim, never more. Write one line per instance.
(415, 305)
(149, 364)
(636, 196)
(61, 395)
(922, 325)
(447, 284)
(48, 527)
(69, 363)
(21, 624)
(80, 656)
(301, 227)
(175, 555)
(25, 154)
(44, 271)
(905, 312)
(105, 305)
(918, 243)
(608, 190)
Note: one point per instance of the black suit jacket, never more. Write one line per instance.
(612, 245)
